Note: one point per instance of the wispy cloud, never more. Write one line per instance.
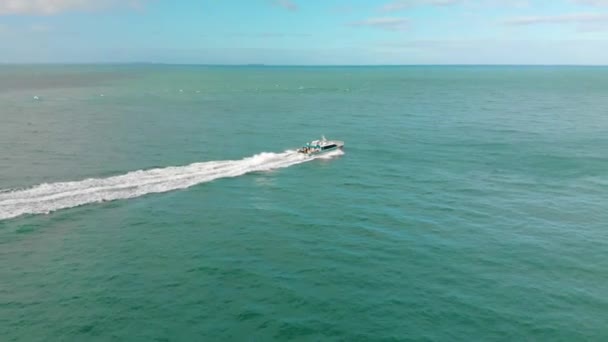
(509, 3)
(286, 4)
(404, 4)
(385, 23)
(499, 51)
(399, 5)
(597, 3)
(269, 35)
(574, 18)
(50, 7)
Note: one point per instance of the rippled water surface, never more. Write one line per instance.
(163, 203)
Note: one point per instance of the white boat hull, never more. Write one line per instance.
(321, 146)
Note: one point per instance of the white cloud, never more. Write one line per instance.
(399, 5)
(286, 4)
(385, 23)
(576, 18)
(50, 7)
(597, 3)
(403, 4)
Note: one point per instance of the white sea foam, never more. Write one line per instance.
(48, 197)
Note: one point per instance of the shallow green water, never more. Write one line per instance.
(470, 203)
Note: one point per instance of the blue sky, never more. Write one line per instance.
(305, 31)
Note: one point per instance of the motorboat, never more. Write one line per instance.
(321, 146)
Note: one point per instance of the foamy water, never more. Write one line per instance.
(48, 197)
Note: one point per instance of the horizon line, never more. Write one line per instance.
(302, 65)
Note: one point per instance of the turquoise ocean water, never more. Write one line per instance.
(470, 203)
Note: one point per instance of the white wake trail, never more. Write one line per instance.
(48, 197)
